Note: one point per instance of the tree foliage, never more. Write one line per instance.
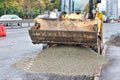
(104, 13)
(27, 8)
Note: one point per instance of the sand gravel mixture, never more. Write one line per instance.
(63, 60)
(72, 25)
(115, 40)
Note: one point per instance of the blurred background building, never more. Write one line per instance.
(119, 9)
(112, 8)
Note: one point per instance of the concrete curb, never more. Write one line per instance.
(99, 69)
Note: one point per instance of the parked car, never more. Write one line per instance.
(10, 17)
(104, 18)
(118, 20)
(112, 21)
(42, 16)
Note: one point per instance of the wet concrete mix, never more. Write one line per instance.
(74, 62)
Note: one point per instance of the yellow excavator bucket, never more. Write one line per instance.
(64, 32)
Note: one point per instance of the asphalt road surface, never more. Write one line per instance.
(17, 45)
(112, 70)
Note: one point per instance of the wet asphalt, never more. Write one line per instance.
(17, 45)
(112, 70)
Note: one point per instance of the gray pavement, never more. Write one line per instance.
(110, 29)
(17, 45)
(112, 70)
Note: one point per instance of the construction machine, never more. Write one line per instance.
(79, 23)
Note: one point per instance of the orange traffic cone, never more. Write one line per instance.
(2, 31)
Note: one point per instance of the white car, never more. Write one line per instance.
(10, 17)
(42, 16)
(52, 15)
(112, 21)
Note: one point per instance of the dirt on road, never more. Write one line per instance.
(63, 60)
(115, 40)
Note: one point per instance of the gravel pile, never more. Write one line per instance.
(63, 60)
(76, 25)
(115, 40)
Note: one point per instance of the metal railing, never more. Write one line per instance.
(18, 23)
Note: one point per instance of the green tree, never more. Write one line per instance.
(104, 13)
(27, 8)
